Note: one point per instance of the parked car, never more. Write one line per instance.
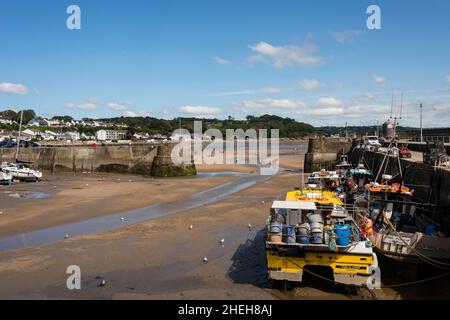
(373, 141)
(8, 144)
(404, 151)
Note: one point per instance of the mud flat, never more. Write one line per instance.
(67, 198)
(162, 258)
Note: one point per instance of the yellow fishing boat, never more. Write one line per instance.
(311, 228)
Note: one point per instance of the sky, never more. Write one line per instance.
(314, 61)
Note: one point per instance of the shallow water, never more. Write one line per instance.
(220, 174)
(111, 222)
(26, 195)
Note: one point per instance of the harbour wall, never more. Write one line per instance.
(324, 152)
(143, 159)
(422, 146)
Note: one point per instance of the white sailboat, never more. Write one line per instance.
(19, 170)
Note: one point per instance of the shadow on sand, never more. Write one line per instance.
(250, 263)
(250, 267)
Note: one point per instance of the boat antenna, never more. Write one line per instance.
(392, 104)
(18, 137)
(401, 107)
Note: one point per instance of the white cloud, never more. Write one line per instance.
(83, 106)
(270, 90)
(309, 84)
(379, 80)
(346, 36)
(144, 114)
(117, 105)
(270, 103)
(197, 110)
(441, 107)
(286, 56)
(256, 58)
(326, 111)
(13, 88)
(220, 60)
(130, 114)
(329, 102)
(448, 78)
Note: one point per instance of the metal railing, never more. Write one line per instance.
(444, 139)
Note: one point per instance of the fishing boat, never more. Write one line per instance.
(311, 228)
(361, 176)
(403, 229)
(327, 180)
(343, 167)
(5, 178)
(20, 171)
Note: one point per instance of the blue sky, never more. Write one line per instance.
(314, 61)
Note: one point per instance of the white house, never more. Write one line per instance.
(5, 121)
(28, 134)
(103, 135)
(72, 136)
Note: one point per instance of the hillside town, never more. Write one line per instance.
(45, 130)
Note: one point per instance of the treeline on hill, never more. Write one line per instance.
(356, 130)
(28, 115)
(289, 128)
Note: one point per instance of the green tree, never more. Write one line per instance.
(28, 115)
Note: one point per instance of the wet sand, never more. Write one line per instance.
(163, 259)
(157, 259)
(78, 197)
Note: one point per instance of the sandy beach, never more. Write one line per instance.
(160, 258)
(71, 198)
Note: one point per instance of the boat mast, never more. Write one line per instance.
(392, 105)
(18, 138)
(421, 131)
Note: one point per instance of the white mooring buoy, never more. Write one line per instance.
(205, 259)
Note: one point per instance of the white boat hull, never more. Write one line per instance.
(22, 173)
